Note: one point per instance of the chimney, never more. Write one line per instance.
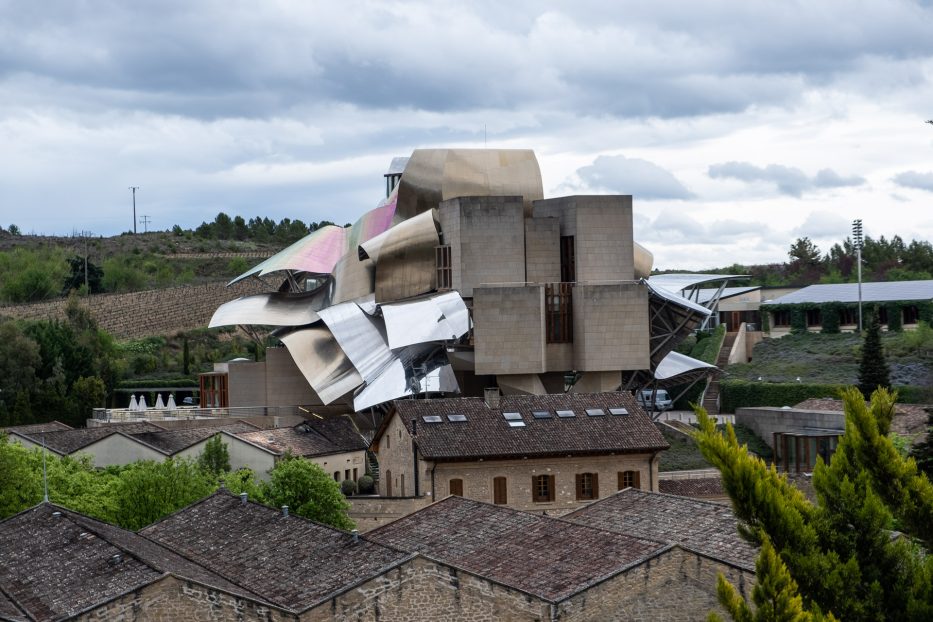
(356, 535)
(285, 511)
(243, 498)
(491, 395)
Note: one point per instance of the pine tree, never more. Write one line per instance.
(923, 452)
(844, 553)
(873, 368)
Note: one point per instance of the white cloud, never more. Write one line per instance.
(640, 178)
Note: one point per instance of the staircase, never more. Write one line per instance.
(711, 399)
(373, 466)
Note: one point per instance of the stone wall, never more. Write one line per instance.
(171, 599)
(422, 590)
(675, 586)
(542, 250)
(371, 512)
(610, 327)
(765, 421)
(146, 313)
(508, 329)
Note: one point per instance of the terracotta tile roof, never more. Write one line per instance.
(543, 556)
(909, 419)
(173, 441)
(314, 437)
(34, 428)
(695, 487)
(293, 562)
(55, 566)
(69, 441)
(703, 526)
(486, 433)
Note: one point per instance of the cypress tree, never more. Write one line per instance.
(873, 368)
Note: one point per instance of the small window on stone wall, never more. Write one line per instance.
(500, 494)
(542, 488)
(456, 487)
(587, 486)
(629, 479)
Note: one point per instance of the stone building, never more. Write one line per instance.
(569, 571)
(542, 453)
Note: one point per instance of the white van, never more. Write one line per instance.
(660, 401)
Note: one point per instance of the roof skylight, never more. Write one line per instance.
(541, 414)
(595, 412)
(618, 411)
(432, 419)
(456, 418)
(564, 414)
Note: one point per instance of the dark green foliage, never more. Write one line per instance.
(366, 485)
(743, 393)
(30, 275)
(840, 552)
(148, 491)
(348, 487)
(873, 368)
(798, 320)
(923, 452)
(76, 280)
(215, 459)
(308, 491)
(185, 358)
(706, 349)
(829, 315)
(895, 319)
(14, 230)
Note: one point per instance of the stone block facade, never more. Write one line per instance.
(509, 329)
(610, 327)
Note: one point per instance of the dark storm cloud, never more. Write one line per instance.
(916, 180)
(640, 178)
(788, 180)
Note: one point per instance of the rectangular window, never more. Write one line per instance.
(336, 476)
(587, 486)
(355, 477)
(542, 488)
(781, 318)
(911, 314)
(444, 263)
(849, 316)
(568, 262)
(346, 474)
(500, 495)
(456, 487)
(814, 317)
(558, 303)
(629, 479)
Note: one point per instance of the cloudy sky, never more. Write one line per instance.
(737, 126)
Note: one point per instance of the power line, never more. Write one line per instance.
(145, 220)
(134, 189)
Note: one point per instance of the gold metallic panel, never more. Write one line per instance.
(435, 175)
(322, 362)
(644, 261)
(405, 258)
(353, 279)
(277, 309)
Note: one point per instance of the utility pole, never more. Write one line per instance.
(134, 189)
(857, 241)
(145, 220)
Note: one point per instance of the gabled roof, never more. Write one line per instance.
(173, 441)
(38, 428)
(66, 442)
(293, 562)
(546, 557)
(702, 526)
(55, 563)
(888, 291)
(486, 433)
(314, 437)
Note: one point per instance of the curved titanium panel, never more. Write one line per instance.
(405, 258)
(278, 309)
(434, 175)
(316, 253)
(455, 311)
(322, 362)
(360, 336)
(353, 279)
(419, 321)
(418, 369)
(644, 261)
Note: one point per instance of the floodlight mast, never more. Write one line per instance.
(857, 241)
(134, 189)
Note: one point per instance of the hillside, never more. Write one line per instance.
(833, 359)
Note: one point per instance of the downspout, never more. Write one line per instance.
(433, 495)
(414, 452)
(651, 470)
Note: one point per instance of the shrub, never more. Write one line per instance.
(895, 320)
(366, 485)
(798, 320)
(829, 314)
(348, 487)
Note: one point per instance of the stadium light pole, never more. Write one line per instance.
(134, 189)
(857, 241)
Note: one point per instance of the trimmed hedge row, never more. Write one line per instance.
(181, 383)
(830, 314)
(706, 350)
(744, 393)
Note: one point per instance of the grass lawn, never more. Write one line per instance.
(684, 455)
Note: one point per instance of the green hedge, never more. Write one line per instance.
(744, 393)
(895, 319)
(829, 317)
(181, 383)
(798, 320)
(706, 350)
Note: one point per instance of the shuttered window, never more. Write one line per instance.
(629, 479)
(542, 488)
(587, 486)
(500, 495)
(456, 487)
